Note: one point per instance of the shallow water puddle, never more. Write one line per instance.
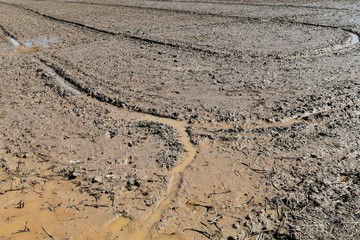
(42, 41)
(14, 41)
(261, 125)
(34, 45)
(354, 39)
(119, 223)
(68, 86)
(29, 212)
(22, 49)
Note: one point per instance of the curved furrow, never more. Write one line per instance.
(206, 2)
(125, 35)
(250, 4)
(354, 35)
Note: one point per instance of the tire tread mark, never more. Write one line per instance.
(125, 35)
(252, 4)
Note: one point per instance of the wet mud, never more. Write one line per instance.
(179, 119)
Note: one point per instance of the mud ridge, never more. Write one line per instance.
(354, 35)
(196, 49)
(286, 123)
(317, 25)
(61, 20)
(98, 96)
(157, 9)
(255, 5)
(6, 32)
(206, 2)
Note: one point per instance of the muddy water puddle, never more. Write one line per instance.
(62, 82)
(33, 45)
(43, 211)
(286, 121)
(14, 41)
(21, 208)
(354, 38)
(41, 42)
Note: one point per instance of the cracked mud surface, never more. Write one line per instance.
(100, 100)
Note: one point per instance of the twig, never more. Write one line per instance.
(48, 234)
(205, 225)
(208, 207)
(199, 231)
(96, 205)
(249, 201)
(26, 229)
(215, 220)
(13, 190)
(215, 193)
(254, 169)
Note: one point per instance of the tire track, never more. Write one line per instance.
(253, 4)
(199, 49)
(206, 2)
(6, 32)
(117, 34)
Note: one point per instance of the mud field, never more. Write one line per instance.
(179, 120)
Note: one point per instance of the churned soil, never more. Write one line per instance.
(179, 119)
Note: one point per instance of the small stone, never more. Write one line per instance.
(97, 179)
(236, 225)
(148, 202)
(281, 231)
(249, 217)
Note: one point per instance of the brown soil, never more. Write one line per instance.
(179, 119)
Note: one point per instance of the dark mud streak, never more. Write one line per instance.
(152, 41)
(131, 37)
(207, 2)
(62, 20)
(318, 25)
(89, 91)
(162, 43)
(7, 33)
(158, 9)
(102, 97)
(253, 19)
(257, 4)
